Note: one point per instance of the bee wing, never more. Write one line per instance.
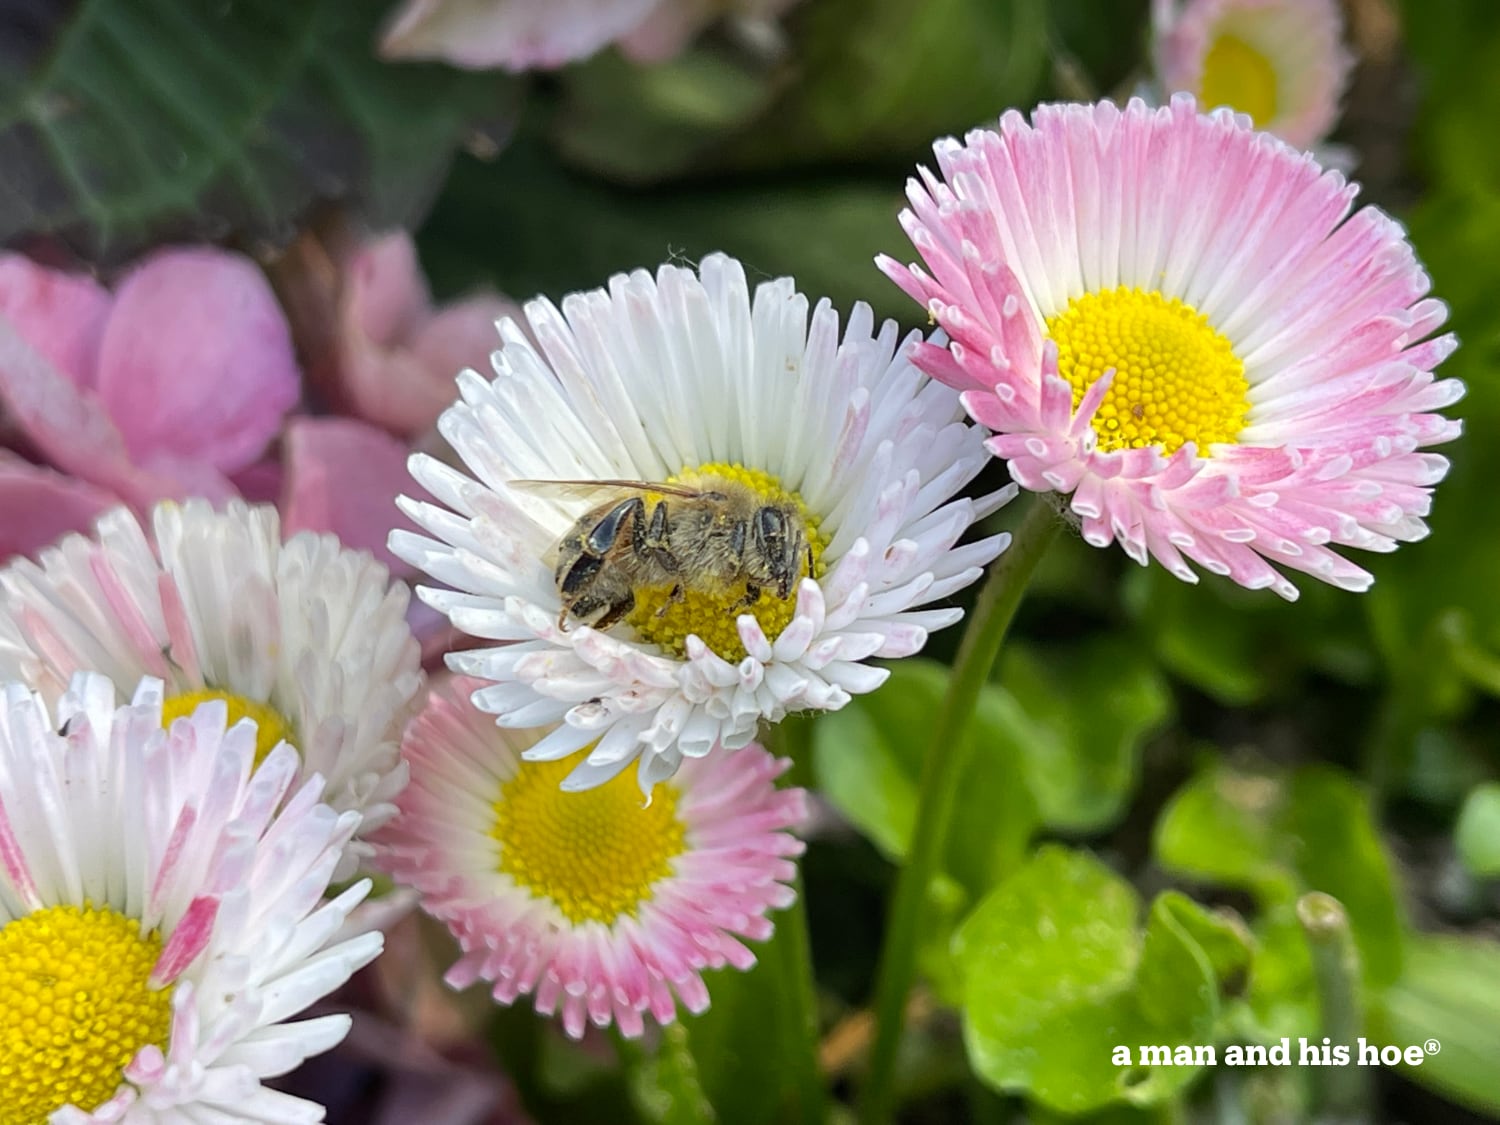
(599, 489)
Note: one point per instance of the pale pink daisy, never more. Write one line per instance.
(683, 377)
(306, 638)
(544, 34)
(1179, 321)
(1281, 61)
(161, 914)
(606, 908)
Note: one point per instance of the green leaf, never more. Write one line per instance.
(741, 1047)
(913, 79)
(868, 762)
(1478, 834)
(1282, 835)
(1221, 934)
(1449, 991)
(137, 120)
(527, 225)
(664, 1086)
(1057, 977)
(642, 124)
(1078, 715)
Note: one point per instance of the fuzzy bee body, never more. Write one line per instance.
(715, 539)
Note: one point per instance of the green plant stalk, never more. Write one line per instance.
(1343, 1091)
(790, 951)
(942, 769)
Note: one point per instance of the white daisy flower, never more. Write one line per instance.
(160, 919)
(306, 638)
(681, 378)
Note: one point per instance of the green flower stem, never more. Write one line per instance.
(942, 769)
(789, 954)
(1343, 1090)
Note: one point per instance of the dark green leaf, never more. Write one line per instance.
(528, 226)
(149, 119)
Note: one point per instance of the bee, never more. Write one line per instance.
(709, 539)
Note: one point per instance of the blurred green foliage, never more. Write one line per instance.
(127, 123)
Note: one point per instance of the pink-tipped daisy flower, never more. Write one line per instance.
(1183, 323)
(606, 908)
(682, 378)
(161, 914)
(1281, 61)
(305, 637)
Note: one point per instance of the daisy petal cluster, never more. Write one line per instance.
(1281, 61)
(1184, 324)
(306, 638)
(683, 377)
(161, 913)
(608, 910)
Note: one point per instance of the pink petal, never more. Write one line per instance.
(67, 426)
(261, 483)
(344, 476)
(197, 359)
(386, 295)
(60, 314)
(39, 506)
(397, 359)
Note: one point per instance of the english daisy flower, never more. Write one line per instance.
(160, 919)
(304, 637)
(1281, 61)
(1179, 321)
(681, 378)
(606, 908)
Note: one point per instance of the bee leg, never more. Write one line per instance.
(752, 595)
(654, 542)
(602, 535)
(672, 599)
(600, 612)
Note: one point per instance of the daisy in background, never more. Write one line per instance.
(1179, 321)
(1281, 61)
(160, 919)
(304, 637)
(682, 378)
(520, 35)
(607, 910)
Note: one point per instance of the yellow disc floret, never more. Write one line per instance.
(270, 727)
(597, 853)
(1177, 378)
(1239, 75)
(77, 1008)
(711, 611)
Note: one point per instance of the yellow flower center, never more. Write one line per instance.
(710, 609)
(270, 727)
(1237, 74)
(1177, 378)
(77, 1008)
(596, 854)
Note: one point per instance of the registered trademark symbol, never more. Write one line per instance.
(1432, 1046)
